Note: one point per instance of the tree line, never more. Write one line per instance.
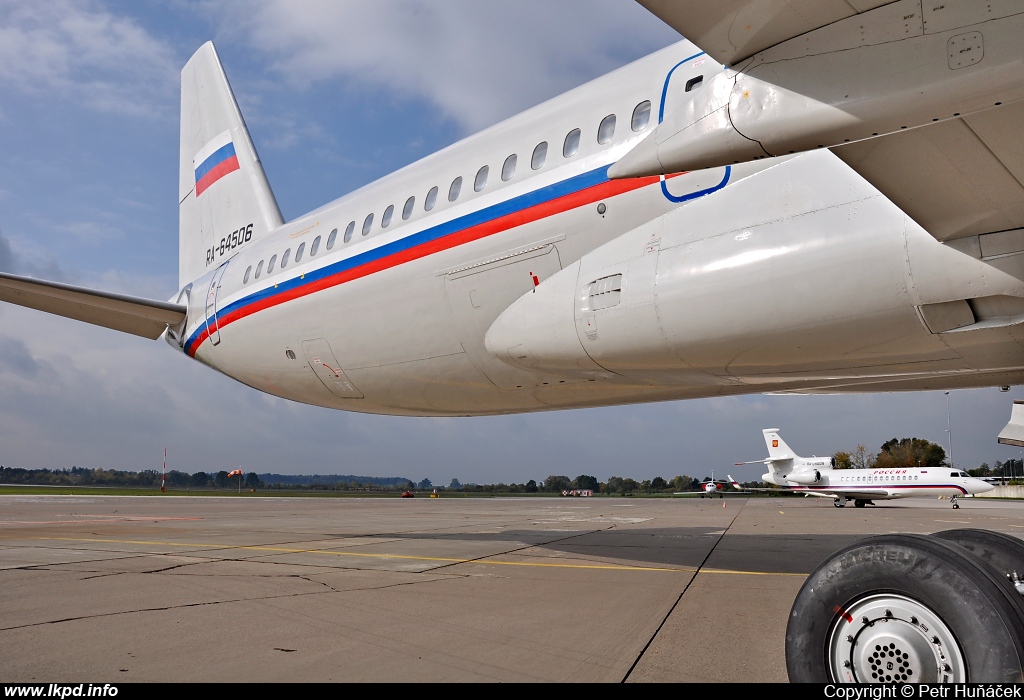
(913, 453)
(897, 453)
(151, 478)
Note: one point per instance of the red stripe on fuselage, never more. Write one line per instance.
(559, 205)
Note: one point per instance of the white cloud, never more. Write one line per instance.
(78, 49)
(476, 61)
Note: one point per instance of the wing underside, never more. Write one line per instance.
(732, 30)
(956, 176)
(143, 317)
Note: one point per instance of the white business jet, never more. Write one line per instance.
(816, 476)
(766, 206)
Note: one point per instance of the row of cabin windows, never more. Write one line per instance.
(878, 479)
(286, 258)
(570, 147)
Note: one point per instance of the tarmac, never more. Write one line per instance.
(122, 589)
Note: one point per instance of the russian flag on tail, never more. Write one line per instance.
(215, 160)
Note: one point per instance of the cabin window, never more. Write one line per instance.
(455, 189)
(315, 247)
(572, 143)
(508, 170)
(349, 230)
(259, 269)
(332, 238)
(540, 154)
(284, 258)
(606, 131)
(248, 271)
(481, 178)
(428, 204)
(385, 220)
(694, 83)
(641, 116)
(270, 265)
(407, 209)
(298, 252)
(367, 225)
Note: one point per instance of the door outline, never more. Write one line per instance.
(320, 358)
(213, 330)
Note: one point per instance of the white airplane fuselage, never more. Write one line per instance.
(558, 287)
(883, 484)
(816, 476)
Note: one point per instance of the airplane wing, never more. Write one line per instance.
(732, 30)
(865, 495)
(957, 178)
(143, 317)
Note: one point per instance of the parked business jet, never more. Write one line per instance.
(816, 476)
(779, 210)
(718, 487)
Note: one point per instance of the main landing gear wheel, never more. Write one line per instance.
(839, 503)
(905, 608)
(1003, 552)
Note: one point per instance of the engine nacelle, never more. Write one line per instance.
(839, 84)
(806, 478)
(712, 295)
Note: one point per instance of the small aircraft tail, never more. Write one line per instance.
(224, 198)
(778, 450)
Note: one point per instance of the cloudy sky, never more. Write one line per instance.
(336, 93)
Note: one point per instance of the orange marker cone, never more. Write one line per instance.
(723, 504)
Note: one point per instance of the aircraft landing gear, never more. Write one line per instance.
(839, 503)
(907, 608)
(861, 502)
(953, 500)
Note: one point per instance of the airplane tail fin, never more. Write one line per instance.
(224, 198)
(778, 450)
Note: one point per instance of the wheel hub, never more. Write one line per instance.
(889, 638)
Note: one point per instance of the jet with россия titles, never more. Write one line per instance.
(777, 210)
(817, 476)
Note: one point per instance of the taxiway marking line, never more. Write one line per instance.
(126, 519)
(414, 557)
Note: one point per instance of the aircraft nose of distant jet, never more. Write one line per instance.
(979, 486)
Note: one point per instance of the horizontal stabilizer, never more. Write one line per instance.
(1013, 433)
(143, 317)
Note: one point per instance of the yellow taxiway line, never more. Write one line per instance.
(413, 557)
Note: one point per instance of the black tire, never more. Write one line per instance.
(925, 580)
(860, 503)
(1004, 552)
(838, 504)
